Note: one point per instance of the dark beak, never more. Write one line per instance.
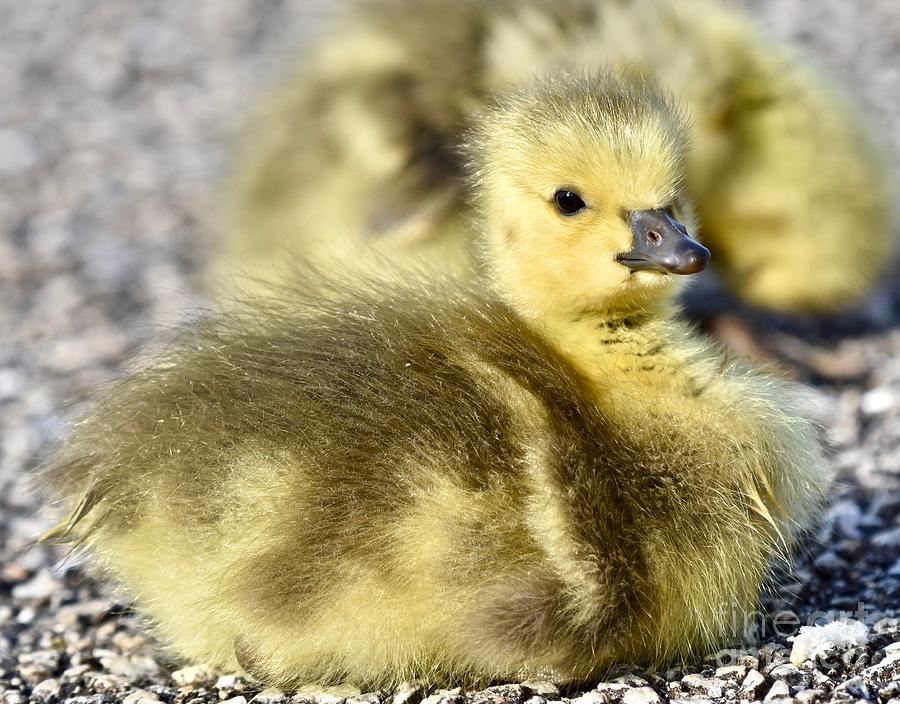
(662, 244)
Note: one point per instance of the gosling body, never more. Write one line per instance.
(783, 171)
(541, 475)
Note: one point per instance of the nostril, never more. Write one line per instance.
(654, 238)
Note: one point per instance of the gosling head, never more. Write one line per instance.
(580, 181)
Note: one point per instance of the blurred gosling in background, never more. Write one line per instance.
(361, 146)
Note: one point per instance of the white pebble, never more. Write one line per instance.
(888, 538)
(227, 682)
(592, 697)
(813, 641)
(141, 696)
(407, 691)
(779, 690)
(41, 586)
(641, 695)
(877, 401)
(752, 682)
(193, 675)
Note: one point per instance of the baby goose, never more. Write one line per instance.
(544, 474)
(782, 172)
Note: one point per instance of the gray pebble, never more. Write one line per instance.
(47, 689)
(39, 665)
(193, 675)
(889, 691)
(855, 687)
(641, 695)
(888, 538)
(501, 694)
(887, 625)
(444, 696)
(607, 692)
(274, 696)
(105, 682)
(132, 667)
(731, 673)
(548, 690)
(408, 693)
(338, 695)
(885, 671)
(792, 675)
(141, 696)
(41, 586)
(779, 690)
(596, 697)
(229, 682)
(709, 687)
(751, 685)
(91, 610)
(809, 696)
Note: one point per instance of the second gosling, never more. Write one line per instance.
(538, 477)
(783, 170)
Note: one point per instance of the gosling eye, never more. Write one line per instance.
(568, 202)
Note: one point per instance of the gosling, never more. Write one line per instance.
(540, 475)
(783, 171)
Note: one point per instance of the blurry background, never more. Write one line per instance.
(116, 123)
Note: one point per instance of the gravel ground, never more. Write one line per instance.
(115, 122)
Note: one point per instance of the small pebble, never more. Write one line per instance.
(141, 696)
(596, 697)
(228, 682)
(193, 675)
(408, 693)
(548, 690)
(779, 690)
(886, 671)
(39, 587)
(751, 684)
(877, 401)
(331, 695)
(735, 673)
(792, 675)
(46, 689)
(641, 695)
(131, 667)
(888, 538)
(105, 682)
(709, 687)
(854, 688)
